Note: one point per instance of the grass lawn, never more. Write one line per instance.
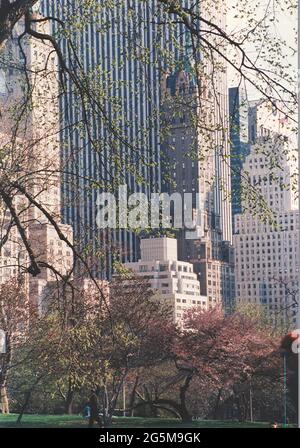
(74, 421)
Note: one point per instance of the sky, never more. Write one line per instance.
(285, 29)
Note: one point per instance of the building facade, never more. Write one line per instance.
(31, 159)
(249, 120)
(173, 282)
(113, 46)
(267, 248)
(123, 131)
(194, 164)
(239, 143)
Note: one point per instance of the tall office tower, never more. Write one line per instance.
(174, 282)
(30, 165)
(193, 164)
(239, 143)
(249, 120)
(196, 160)
(125, 49)
(117, 48)
(267, 248)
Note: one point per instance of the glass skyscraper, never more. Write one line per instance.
(116, 51)
(239, 144)
(120, 52)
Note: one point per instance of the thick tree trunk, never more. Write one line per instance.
(242, 407)
(216, 409)
(175, 408)
(132, 396)
(69, 402)
(186, 417)
(4, 400)
(152, 408)
(245, 407)
(179, 409)
(10, 13)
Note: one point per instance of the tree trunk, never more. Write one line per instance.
(152, 408)
(179, 408)
(4, 400)
(216, 409)
(245, 407)
(28, 397)
(176, 408)
(106, 417)
(69, 402)
(10, 13)
(132, 397)
(4, 369)
(186, 417)
(239, 409)
(25, 404)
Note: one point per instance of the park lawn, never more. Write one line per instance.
(75, 421)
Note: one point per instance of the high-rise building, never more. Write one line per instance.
(266, 243)
(193, 164)
(173, 282)
(31, 159)
(197, 160)
(249, 121)
(239, 143)
(266, 120)
(110, 48)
